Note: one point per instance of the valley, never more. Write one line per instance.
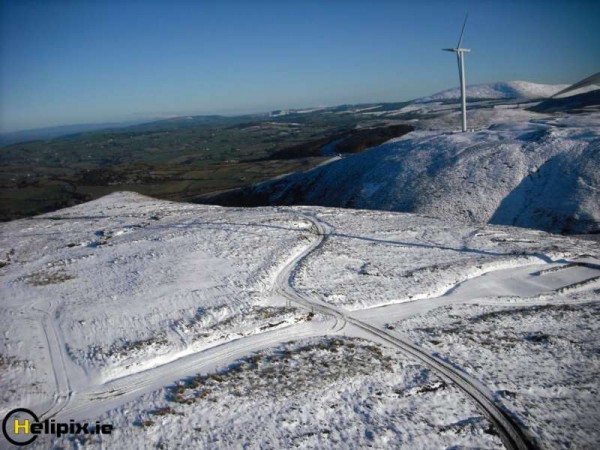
(176, 159)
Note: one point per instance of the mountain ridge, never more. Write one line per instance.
(539, 174)
(516, 89)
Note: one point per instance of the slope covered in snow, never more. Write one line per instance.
(542, 174)
(500, 90)
(192, 325)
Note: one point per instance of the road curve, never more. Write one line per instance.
(511, 434)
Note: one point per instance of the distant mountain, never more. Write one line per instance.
(168, 124)
(543, 175)
(62, 130)
(500, 90)
(176, 122)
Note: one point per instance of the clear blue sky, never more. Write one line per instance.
(64, 62)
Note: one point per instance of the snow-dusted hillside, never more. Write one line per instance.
(194, 326)
(200, 326)
(544, 174)
(501, 90)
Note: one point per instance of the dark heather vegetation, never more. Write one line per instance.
(352, 141)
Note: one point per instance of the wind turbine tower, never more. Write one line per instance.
(460, 54)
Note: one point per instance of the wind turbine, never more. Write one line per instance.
(460, 54)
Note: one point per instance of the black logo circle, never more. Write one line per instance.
(5, 422)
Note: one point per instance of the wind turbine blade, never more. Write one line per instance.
(462, 31)
(448, 49)
(593, 79)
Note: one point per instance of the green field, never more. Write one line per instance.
(175, 159)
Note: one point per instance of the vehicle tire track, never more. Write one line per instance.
(63, 387)
(100, 398)
(511, 433)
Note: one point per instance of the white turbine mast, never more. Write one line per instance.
(460, 54)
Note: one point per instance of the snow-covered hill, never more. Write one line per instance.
(501, 90)
(196, 326)
(541, 174)
(207, 327)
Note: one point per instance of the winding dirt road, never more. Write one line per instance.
(512, 435)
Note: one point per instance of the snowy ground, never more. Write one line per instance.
(125, 278)
(333, 393)
(122, 308)
(392, 258)
(539, 355)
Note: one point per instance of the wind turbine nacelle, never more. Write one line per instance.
(457, 50)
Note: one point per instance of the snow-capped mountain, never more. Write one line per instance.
(500, 90)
